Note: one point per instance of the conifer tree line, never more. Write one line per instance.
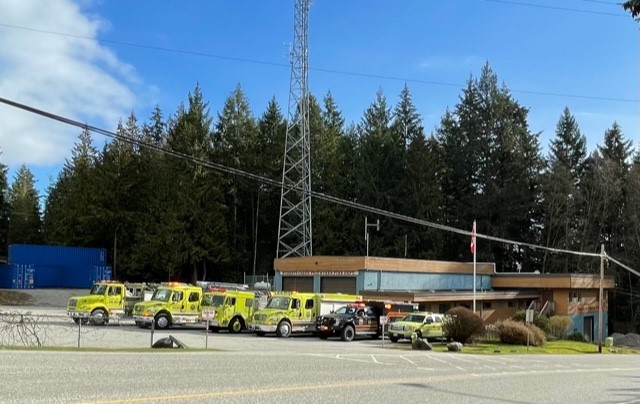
(166, 218)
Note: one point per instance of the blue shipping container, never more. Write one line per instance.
(83, 276)
(47, 276)
(56, 255)
(15, 276)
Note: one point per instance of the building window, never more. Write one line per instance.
(444, 307)
(512, 303)
(575, 296)
(486, 305)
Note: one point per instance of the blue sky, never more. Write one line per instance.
(587, 51)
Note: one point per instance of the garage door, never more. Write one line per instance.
(298, 283)
(338, 285)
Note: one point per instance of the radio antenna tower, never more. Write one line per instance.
(294, 230)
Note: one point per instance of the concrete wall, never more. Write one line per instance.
(379, 280)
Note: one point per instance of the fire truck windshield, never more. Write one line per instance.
(346, 310)
(161, 295)
(98, 290)
(213, 301)
(278, 302)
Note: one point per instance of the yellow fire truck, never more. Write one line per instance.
(107, 300)
(289, 312)
(231, 309)
(171, 304)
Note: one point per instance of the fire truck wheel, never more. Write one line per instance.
(162, 321)
(235, 326)
(284, 329)
(348, 333)
(98, 317)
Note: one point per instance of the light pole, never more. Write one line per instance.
(366, 231)
(255, 234)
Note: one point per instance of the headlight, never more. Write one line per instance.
(150, 311)
(273, 319)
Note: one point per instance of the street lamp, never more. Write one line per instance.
(366, 231)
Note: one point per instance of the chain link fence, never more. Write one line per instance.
(19, 329)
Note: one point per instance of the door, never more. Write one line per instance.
(176, 304)
(297, 283)
(114, 297)
(588, 328)
(340, 284)
(309, 312)
(193, 303)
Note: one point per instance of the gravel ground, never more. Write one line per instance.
(39, 297)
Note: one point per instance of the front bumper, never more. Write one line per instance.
(79, 314)
(263, 328)
(325, 329)
(399, 334)
(143, 319)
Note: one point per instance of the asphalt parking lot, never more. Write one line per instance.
(240, 368)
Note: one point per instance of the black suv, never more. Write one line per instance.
(350, 321)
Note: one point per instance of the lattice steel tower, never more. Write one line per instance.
(294, 230)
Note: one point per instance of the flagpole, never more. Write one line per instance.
(474, 266)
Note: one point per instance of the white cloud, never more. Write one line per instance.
(66, 75)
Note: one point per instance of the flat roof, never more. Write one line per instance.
(442, 296)
(327, 264)
(553, 281)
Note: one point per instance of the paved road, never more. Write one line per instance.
(314, 378)
(296, 370)
(305, 370)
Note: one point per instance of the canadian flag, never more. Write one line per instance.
(473, 238)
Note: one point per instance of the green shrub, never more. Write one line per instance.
(576, 336)
(559, 325)
(539, 320)
(515, 332)
(461, 324)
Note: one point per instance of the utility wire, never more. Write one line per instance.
(317, 69)
(279, 184)
(575, 10)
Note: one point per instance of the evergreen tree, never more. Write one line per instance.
(491, 173)
(25, 225)
(195, 220)
(236, 145)
(381, 173)
(70, 211)
(5, 209)
(327, 160)
(562, 207)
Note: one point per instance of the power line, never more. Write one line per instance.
(317, 69)
(279, 184)
(575, 10)
(603, 2)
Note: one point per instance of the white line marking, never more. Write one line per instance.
(436, 359)
(458, 358)
(374, 359)
(408, 360)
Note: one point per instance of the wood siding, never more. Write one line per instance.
(340, 264)
(551, 281)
